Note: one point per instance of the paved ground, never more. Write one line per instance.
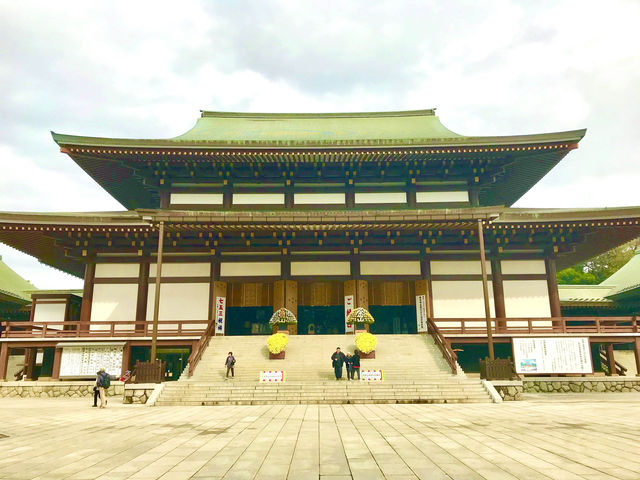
(553, 436)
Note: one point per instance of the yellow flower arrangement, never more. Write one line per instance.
(360, 315)
(366, 342)
(277, 342)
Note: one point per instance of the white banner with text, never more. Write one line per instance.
(552, 355)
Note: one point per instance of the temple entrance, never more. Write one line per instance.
(393, 319)
(320, 320)
(248, 320)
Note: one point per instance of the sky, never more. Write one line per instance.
(144, 69)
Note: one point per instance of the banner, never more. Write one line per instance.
(552, 355)
(272, 376)
(372, 375)
(348, 307)
(421, 313)
(221, 308)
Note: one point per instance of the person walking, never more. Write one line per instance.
(103, 381)
(355, 364)
(349, 363)
(230, 363)
(337, 360)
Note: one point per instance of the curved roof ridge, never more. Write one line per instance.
(430, 112)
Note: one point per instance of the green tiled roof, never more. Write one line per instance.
(13, 285)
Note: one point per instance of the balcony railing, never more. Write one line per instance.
(166, 328)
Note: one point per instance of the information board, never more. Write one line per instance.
(86, 360)
(552, 355)
(221, 309)
(348, 307)
(372, 375)
(421, 313)
(272, 376)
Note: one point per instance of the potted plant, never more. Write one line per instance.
(366, 344)
(361, 318)
(281, 319)
(276, 344)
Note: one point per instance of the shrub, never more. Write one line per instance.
(282, 315)
(366, 342)
(277, 342)
(360, 315)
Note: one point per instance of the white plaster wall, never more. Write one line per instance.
(181, 269)
(49, 312)
(381, 197)
(258, 198)
(405, 267)
(180, 301)
(458, 267)
(249, 269)
(196, 198)
(114, 303)
(523, 267)
(320, 268)
(319, 198)
(435, 197)
(526, 298)
(460, 299)
(117, 270)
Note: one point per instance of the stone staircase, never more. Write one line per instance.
(415, 372)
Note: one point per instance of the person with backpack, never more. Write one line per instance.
(103, 381)
(355, 364)
(230, 363)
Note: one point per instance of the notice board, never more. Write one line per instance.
(552, 355)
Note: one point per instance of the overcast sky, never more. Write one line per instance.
(145, 69)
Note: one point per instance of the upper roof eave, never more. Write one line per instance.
(128, 217)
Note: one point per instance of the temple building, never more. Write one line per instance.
(247, 213)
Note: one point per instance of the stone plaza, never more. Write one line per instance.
(570, 436)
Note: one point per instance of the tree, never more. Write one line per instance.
(598, 268)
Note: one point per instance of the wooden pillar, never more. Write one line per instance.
(411, 193)
(288, 194)
(425, 271)
(57, 358)
(552, 287)
(474, 196)
(156, 301)
(4, 360)
(87, 295)
(350, 194)
(611, 361)
(227, 195)
(219, 290)
(143, 294)
(29, 362)
(165, 198)
(485, 290)
(126, 356)
(285, 294)
(498, 294)
(636, 351)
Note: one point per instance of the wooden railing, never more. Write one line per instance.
(201, 346)
(605, 362)
(554, 325)
(443, 344)
(166, 328)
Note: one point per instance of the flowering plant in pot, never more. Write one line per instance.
(366, 344)
(281, 318)
(360, 317)
(276, 344)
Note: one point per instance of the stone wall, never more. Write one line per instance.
(138, 392)
(509, 390)
(64, 389)
(581, 384)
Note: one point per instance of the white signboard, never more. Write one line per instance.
(421, 313)
(86, 360)
(348, 307)
(552, 355)
(372, 375)
(272, 376)
(221, 308)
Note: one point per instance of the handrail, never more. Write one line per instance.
(201, 346)
(101, 329)
(444, 346)
(604, 357)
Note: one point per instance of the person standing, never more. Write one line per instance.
(337, 360)
(355, 364)
(103, 382)
(230, 363)
(349, 363)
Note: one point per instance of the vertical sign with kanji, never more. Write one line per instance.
(348, 307)
(421, 313)
(221, 303)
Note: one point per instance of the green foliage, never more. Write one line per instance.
(599, 268)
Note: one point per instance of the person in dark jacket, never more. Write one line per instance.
(102, 374)
(230, 362)
(337, 360)
(348, 361)
(355, 364)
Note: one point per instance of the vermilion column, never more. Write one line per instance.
(552, 287)
(57, 358)
(87, 296)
